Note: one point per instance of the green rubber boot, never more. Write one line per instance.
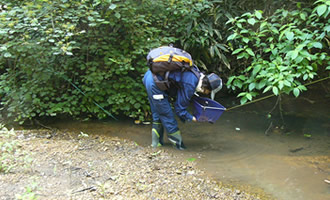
(157, 134)
(176, 139)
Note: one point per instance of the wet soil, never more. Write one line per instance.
(67, 165)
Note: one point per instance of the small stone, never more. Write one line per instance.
(191, 172)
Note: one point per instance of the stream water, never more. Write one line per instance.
(288, 164)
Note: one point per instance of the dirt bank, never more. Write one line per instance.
(65, 165)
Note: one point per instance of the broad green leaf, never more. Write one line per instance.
(302, 87)
(241, 94)
(112, 6)
(243, 55)
(258, 14)
(230, 80)
(249, 96)
(230, 20)
(303, 16)
(246, 40)
(267, 89)
(243, 100)
(242, 77)
(252, 86)
(7, 55)
(117, 15)
(275, 30)
(275, 90)
(289, 35)
(238, 83)
(137, 105)
(321, 9)
(296, 92)
(261, 84)
(327, 28)
(262, 25)
(3, 48)
(244, 31)
(256, 69)
(285, 13)
(251, 21)
(317, 45)
(311, 75)
(90, 18)
(280, 85)
(250, 52)
(305, 77)
(294, 54)
(237, 51)
(232, 36)
(299, 59)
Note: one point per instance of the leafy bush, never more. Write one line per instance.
(52, 49)
(281, 52)
(79, 57)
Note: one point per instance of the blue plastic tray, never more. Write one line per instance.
(207, 110)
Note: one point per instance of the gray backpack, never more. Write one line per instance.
(165, 59)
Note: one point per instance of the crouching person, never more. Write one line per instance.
(181, 86)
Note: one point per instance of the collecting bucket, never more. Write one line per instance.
(207, 110)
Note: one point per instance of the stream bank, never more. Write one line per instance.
(61, 164)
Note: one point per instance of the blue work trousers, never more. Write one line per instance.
(160, 106)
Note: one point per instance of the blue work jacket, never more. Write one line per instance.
(186, 81)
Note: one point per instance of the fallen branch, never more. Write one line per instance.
(91, 189)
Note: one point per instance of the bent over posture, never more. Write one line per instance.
(182, 88)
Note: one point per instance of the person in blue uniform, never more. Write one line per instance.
(184, 85)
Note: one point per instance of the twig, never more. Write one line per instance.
(281, 110)
(278, 99)
(92, 188)
(270, 126)
(40, 124)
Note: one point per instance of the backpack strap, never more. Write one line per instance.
(170, 58)
(196, 72)
(164, 84)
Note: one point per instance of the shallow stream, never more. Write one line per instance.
(243, 150)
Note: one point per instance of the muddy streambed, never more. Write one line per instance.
(290, 163)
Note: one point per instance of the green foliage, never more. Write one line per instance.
(100, 46)
(281, 52)
(203, 35)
